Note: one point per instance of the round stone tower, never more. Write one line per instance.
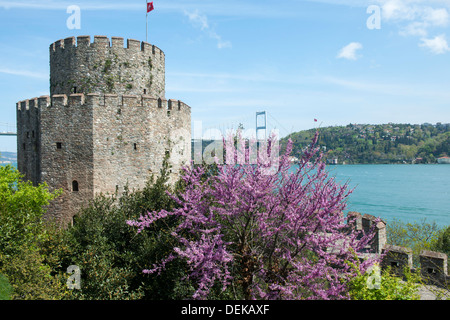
(106, 67)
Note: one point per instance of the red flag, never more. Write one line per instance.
(315, 120)
(150, 6)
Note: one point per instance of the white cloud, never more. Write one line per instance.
(24, 73)
(419, 18)
(349, 51)
(201, 21)
(198, 19)
(437, 45)
(436, 17)
(414, 29)
(413, 17)
(397, 10)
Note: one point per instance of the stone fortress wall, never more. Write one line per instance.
(433, 265)
(90, 137)
(106, 66)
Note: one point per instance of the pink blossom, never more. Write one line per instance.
(272, 236)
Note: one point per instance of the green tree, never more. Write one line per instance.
(31, 278)
(376, 284)
(21, 210)
(5, 288)
(443, 242)
(21, 231)
(111, 256)
(417, 236)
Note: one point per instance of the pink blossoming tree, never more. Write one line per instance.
(264, 234)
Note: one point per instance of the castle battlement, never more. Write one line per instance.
(433, 265)
(81, 99)
(106, 66)
(103, 42)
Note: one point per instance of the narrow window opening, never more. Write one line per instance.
(58, 145)
(23, 146)
(145, 91)
(28, 134)
(75, 186)
(74, 220)
(135, 146)
(159, 103)
(74, 89)
(32, 134)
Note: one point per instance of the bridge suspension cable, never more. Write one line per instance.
(7, 129)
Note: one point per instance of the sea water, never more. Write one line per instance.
(409, 193)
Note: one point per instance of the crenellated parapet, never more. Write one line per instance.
(433, 265)
(106, 66)
(29, 137)
(176, 107)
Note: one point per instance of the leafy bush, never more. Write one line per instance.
(21, 231)
(21, 211)
(443, 242)
(5, 288)
(417, 236)
(31, 278)
(376, 284)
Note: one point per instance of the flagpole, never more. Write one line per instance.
(146, 21)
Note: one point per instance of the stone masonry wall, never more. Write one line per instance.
(67, 153)
(106, 66)
(433, 265)
(103, 142)
(28, 139)
(131, 136)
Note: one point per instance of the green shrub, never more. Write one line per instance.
(5, 288)
(21, 211)
(417, 236)
(443, 242)
(379, 284)
(30, 278)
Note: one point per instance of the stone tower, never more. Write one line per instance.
(105, 124)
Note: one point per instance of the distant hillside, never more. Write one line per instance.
(8, 157)
(385, 143)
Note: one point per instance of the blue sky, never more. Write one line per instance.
(297, 60)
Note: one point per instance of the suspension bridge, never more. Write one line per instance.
(261, 123)
(7, 129)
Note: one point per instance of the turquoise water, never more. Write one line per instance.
(409, 193)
